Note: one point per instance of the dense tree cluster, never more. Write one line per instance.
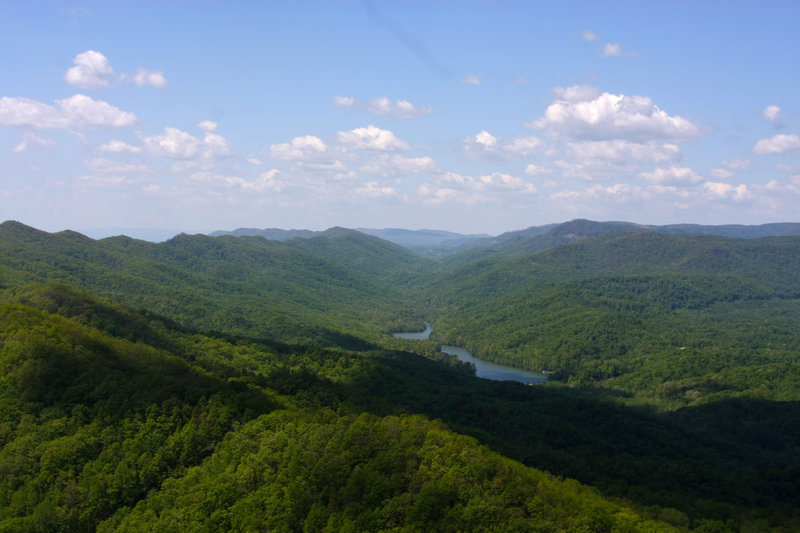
(238, 384)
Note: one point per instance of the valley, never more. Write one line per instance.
(237, 382)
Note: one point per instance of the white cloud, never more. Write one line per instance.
(76, 111)
(372, 138)
(726, 190)
(536, 170)
(472, 79)
(253, 160)
(26, 112)
(486, 139)
(505, 181)
(91, 71)
(622, 150)
(470, 190)
(382, 106)
(484, 144)
(582, 113)
(119, 147)
(154, 78)
(207, 125)
(31, 140)
(587, 35)
(385, 165)
(173, 143)
(777, 145)
(612, 50)
(576, 93)
(178, 144)
(299, 148)
(267, 181)
(103, 166)
(401, 109)
(722, 173)
(215, 145)
(522, 146)
(773, 114)
(343, 101)
(673, 175)
(736, 164)
(82, 109)
(374, 190)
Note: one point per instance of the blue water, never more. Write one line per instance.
(483, 369)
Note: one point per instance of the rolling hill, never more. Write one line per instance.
(201, 362)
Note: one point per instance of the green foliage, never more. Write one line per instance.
(317, 471)
(675, 387)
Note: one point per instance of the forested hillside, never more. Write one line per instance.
(669, 318)
(237, 383)
(115, 420)
(235, 285)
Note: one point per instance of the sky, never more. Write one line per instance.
(473, 117)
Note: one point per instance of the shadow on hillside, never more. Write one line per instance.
(705, 470)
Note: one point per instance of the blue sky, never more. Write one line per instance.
(464, 116)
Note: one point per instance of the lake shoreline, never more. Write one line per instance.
(483, 369)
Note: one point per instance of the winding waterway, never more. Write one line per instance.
(483, 369)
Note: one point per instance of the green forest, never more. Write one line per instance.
(241, 384)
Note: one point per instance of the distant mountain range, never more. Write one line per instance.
(439, 243)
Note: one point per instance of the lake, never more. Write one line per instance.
(483, 369)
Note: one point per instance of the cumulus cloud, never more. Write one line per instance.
(721, 173)
(372, 138)
(75, 111)
(373, 190)
(385, 165)
(383, 106)
(154, 78)
(472, 190)
(778, 144)
(622, 150)
(773, 114)
(178, 144)
(587, 35)
(82, 109)
(536, 170)
(472, 79)
(119, 147)
(673, 175)
(583, 113)
(267, 181)
(91, 71)
(300, 148)
(726, 190)
(484, 144)
(401, 108)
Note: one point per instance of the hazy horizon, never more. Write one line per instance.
(469, 117)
